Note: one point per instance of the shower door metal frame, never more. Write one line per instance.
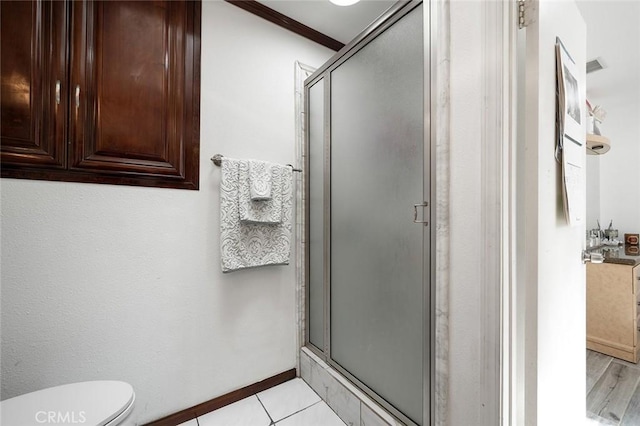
(385, 21)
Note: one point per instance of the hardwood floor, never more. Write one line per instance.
(613, 394)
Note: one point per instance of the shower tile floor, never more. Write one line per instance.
(292, 403)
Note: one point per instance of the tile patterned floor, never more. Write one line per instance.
(292, 403)
(613, 398)
(613, 391)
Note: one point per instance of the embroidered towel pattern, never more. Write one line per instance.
(259, 180)
(247, 245)
(264, 211)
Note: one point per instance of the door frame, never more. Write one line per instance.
(502, 313)
(513, 395)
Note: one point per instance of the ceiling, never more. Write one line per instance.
(612, 34)
(342, 23)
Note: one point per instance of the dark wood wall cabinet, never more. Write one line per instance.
(101, 91)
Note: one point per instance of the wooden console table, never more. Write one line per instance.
(613, 294)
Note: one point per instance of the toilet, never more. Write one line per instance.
(96, 403)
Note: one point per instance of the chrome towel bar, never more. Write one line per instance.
(217, 160)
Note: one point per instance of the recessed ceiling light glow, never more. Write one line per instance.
(344, 2)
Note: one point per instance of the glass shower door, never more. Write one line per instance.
(377, 170)
(369, 269)
(315, 213)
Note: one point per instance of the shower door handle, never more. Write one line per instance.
(415, 213)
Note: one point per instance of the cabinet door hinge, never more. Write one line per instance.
(526, 13)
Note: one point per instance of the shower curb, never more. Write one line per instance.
(350, 404)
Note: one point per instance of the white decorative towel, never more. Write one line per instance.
(259, 180)
(247, 245)
(265, 211)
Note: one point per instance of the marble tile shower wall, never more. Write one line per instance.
(302, 71)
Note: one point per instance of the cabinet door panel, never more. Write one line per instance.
(32, 60)
(137, 108)
(131, 79)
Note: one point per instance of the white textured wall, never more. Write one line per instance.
(124, 283)
(619, 168)
(593, 190)
(612, 23)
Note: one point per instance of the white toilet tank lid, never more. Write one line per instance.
(93, 403)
